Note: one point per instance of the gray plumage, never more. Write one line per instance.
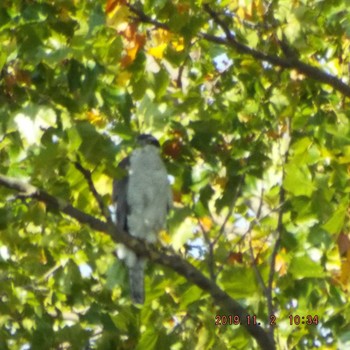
(143, 197)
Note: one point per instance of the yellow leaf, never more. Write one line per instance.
(206, 223)
(118, 17)
(240, 12)
(165, 237)
(178, 45)
(43, 258)
(281, 265)
(158, 51)
(161, 36)
(134, 42)
(130, 56)
(344, 272)
(123, 78)
(103, 184)
(96, 118)
(258, 8)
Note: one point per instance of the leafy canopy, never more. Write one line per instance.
(250, 101)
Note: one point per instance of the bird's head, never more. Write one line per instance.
(147, 139)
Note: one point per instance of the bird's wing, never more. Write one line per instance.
(119, 195)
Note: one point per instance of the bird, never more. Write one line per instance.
(142, 198)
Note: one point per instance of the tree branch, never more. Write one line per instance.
(230, 210)
(162, 257)
(87, 175)
(275, 250)
(230, 41)
(306, 69)
(279, 231)
(254, 259)
(142, 17)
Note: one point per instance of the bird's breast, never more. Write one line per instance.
(147, 193)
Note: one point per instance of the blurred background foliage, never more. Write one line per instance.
(259, 155)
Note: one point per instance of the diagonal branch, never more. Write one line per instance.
(230, 41)
(87, 175)
(163, 257)
(141, 16)
(303, 68)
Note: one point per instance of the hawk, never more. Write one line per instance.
(143, 198)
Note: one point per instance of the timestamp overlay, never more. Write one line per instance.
(252, 320)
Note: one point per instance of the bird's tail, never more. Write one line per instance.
(136, 279)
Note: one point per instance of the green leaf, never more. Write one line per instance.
(304, 267)
(239, 282)
(298, 180)
(116, 275)
(191, 295)
(161, 83)
(227, 119)
(336, 222)
(148, 339)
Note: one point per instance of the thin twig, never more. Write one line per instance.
(230, 210)
(256, 270)
(258, 221)
(211, 263)
(87, 175)
(275, 250)
(180, 72)
(141, 16)
(253, 258)
(279, 230)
